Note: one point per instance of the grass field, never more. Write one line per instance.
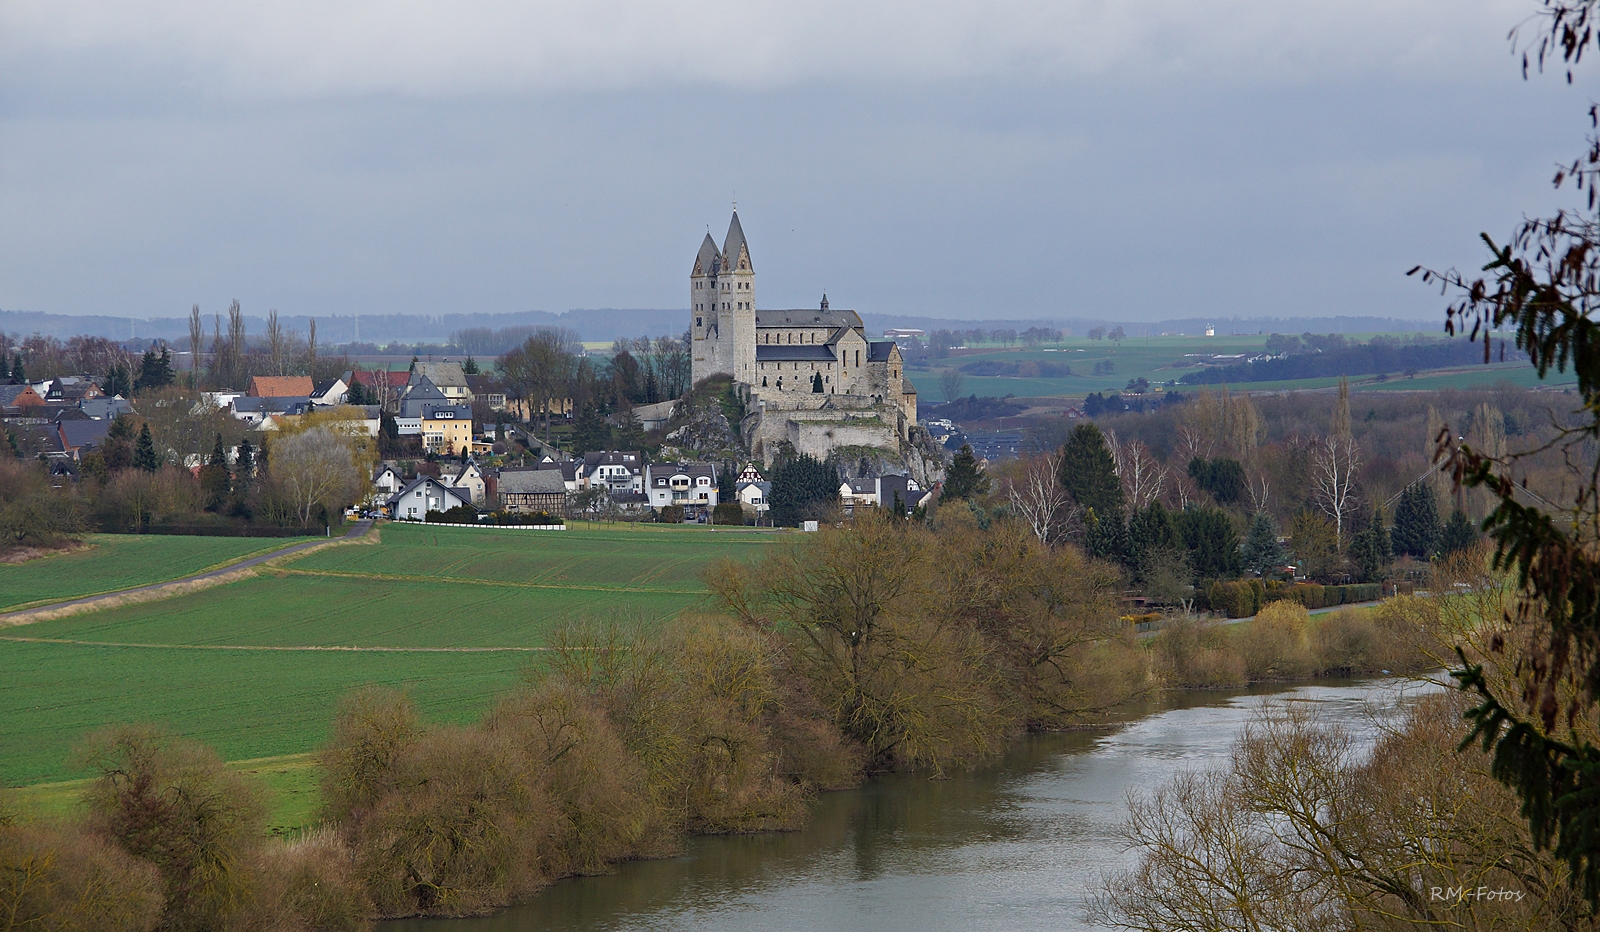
(195, 663)
(121, 561)
(1162, 359)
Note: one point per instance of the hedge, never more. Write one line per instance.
(1245, 597)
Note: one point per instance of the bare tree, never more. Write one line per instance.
(277, 344)
(1037, 496)
(1334, 464)
(950, 382)
(1143, 478)
(316, 467)
(540, 371)
(197, 335)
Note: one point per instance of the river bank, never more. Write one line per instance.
(1016, 846)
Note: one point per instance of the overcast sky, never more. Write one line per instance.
(1060, 158)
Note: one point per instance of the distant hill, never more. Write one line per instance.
(609, 323)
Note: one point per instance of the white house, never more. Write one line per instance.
(691, 485)
(469, 479)
(753, 496)
(330, 392)
(422, 495)
(613, 470)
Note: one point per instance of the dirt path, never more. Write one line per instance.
(172, 586)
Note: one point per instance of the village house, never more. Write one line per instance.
(447, 377)
(527, 491)
(80, 437)
(330, 392)
(468, 478)
(613, 470)
(755, 496)
(422, 495)
(690, 485)
(882, 490)
(446, 428)
(280, 386)
(15, 399)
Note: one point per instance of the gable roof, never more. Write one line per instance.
(370, 379)
(79, 434)
(423, 480)
(280, 386)
(423, 389)
(9, 393)
(809, 317)
(532, 482)
(800, 352)
(879, 351)
(440, 373)
(268, 405)
(104, 407)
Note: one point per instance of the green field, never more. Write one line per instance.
(1163, 359)
(121, 561)
(238, 666)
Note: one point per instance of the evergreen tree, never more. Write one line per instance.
(116, 381)
(802, 486)
(1262, 553)
(244, 467)
(388, 434)
(727, 482)
(18, 374)
(1458, 534)
(1416, 522)
(1222, 477)
(117, 451)
(155, 371)
(144, 451)
(214, 479)
(5, 367)
(964, 479)
(1088, 472)
(1151, 533)
(1369, 549)
(11, 439)
(1212, 542)
(470, 367)
(590, 430)
(1106, 538)
(357, 394)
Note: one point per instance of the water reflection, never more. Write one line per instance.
(1014, 847)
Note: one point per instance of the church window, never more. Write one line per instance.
(763, 381)
(697, 322)
(858, 359)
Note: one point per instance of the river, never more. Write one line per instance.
(1016, 847)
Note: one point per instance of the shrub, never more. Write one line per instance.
(1196, 654)
(460, 514)
(457, 834)
(173, 803)
(65, 879)
(310, 884)
(670, 514)
(728, 513)
(1274, 645)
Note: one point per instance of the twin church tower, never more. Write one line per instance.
(815, 351)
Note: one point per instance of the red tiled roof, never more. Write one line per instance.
(280, 386)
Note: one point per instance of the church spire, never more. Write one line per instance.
(734, 244)
(707, 257)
